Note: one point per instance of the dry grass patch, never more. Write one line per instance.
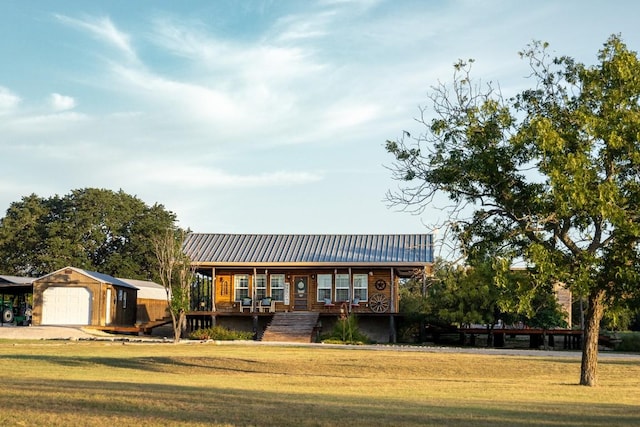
(98, 383)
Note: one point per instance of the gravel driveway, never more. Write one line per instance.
(46, 332)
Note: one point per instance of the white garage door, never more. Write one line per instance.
(66, 306)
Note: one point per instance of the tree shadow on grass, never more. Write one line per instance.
(151, 364)
(57, 402)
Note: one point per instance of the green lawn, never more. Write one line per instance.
(111, 383)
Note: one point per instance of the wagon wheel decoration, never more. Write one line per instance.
(379, 303)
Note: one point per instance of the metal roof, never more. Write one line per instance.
(147, 289)
(314, 249)
(100, 277)
(15, 280)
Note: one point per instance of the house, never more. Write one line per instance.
(330, 275)
(72, 296)
(152, 304)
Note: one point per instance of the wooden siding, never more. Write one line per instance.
(149, 310)
(225, 288)
(98, 303)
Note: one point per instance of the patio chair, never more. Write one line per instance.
(328, 304)
(355, 303)
(267, 304)
(245, 303)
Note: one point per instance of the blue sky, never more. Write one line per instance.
(254, 116)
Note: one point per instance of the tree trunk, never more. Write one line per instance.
(595, 310)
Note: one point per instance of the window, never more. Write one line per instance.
(261, 286)
(361, 286)
(324, 287)
(241, 284)
(342, 287)
(277, 287)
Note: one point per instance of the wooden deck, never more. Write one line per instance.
(143, 328)
(572, 338)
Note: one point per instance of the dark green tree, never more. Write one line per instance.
(466, 295)
(91, 228)
(551, 175)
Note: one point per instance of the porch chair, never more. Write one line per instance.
(328, 304)
(355, 303)
(245, 303)
(267, 304)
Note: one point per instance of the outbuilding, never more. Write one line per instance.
(152, 301)
(15, 299)
(72, 296)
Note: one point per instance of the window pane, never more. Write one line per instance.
(360, 286)
(277, 287)
(241, 282)
(261, 286)
(324, 287)
(342, 287)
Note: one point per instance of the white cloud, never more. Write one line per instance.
(61, 102)
(194, 176)
(301, 27)
(351, 115)
(185, 100)
(102, 29)
(8, 100)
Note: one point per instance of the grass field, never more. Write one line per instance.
(111, 383)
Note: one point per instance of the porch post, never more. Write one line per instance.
(213, 290)
(350, 292)
(392, 308)
(392, 302)
(253, 291)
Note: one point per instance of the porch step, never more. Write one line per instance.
(295, 326)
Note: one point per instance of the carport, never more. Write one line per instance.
(16, 299)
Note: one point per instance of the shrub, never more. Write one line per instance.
(346, 331)
(630, 342)
(220, 333)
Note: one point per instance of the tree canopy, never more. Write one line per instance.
(94, 229)
(551, 175)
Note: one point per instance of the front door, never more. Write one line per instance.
(300, 288)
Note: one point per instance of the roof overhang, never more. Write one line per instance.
(403, 270)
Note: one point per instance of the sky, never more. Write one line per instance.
(255, 116)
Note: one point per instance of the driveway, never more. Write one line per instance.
(47, 332)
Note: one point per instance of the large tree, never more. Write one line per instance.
(551, 175)
(90, 228)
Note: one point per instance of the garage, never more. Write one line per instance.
(73, 296)
(66, 306)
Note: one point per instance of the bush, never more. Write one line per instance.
(630, 342)
(220, 333)
(346, 331)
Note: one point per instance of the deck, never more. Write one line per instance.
(572, 338)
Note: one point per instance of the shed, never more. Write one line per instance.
(72, 296)
(152, 302)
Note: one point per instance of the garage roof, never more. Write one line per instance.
(100, 277)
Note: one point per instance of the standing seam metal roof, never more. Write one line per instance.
(414, 249)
